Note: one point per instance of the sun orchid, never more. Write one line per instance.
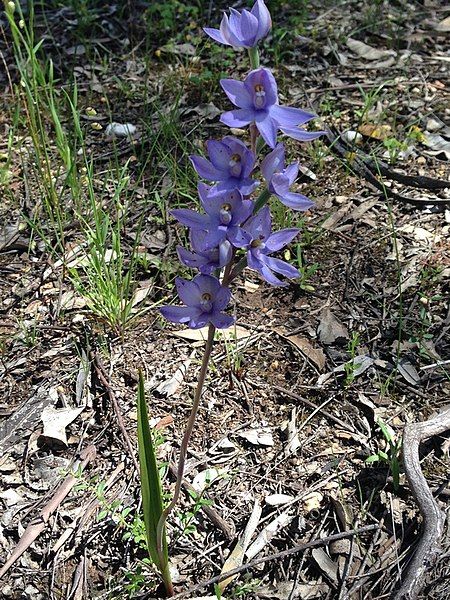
(257, 238)
(279, 179)
(234, 229)
(205, 299)
(231, 164)
(225, 211)
(243, 30)
(206, 261)
(257, 100)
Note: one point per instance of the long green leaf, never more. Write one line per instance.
(152, 502)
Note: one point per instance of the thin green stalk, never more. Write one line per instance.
(186, 439)
(253, 54)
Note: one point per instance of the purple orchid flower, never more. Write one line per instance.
(256, 236)
(206, 261)
(230, 164)
(279, 179)
(205, 299)
(225, 211)
(257, 101)
(243, 30)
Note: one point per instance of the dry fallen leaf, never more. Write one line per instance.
(262, 436)
(278, 499)
(330, 329)
(201, 335)
(236, 557)
(377, 132)
(56, 420)
(368, 52)
(316, 355)
(171, 386)
(443, 25)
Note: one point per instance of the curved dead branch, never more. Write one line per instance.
(433, 518)
(372, 170)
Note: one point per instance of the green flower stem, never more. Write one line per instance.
(253, 54)
(186, 438)
(262, 200)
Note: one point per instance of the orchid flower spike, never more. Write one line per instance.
(205, 298)
(279, 179)
(230, 164)
(257, 101)
(257, 238)
(243, 30)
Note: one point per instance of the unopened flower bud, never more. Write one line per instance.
(11, 6)
(21, 23)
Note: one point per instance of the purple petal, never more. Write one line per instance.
(204, 192)
(237, 93)
(222, 298)
(238, 118)
(278, 240)
(292, 199)
(191, 259)
(300, 134)
(273, 162)
(214, 237)
(206, 169)
(216, 35)
(249, 28)
(256, 264)
(219, 154)
(178, 314)
(280, 266)
(190, 218)
(199, 321)
(207, 284)
(295, 201)
(291, 172)
(221, 320)
(248, 163)
(242, 212)
(286, 116)
(188, 291)
(267, 127)
(225, 30)
(260, 225)
(238, 237)
(247, 186)
(225, 253)
(262, 13)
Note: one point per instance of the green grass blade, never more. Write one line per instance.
(152, 503)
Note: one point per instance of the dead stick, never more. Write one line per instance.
(37, 526)
(276, 556)
(433, 518)
(112, 396)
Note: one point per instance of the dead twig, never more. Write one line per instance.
(433, 518)
(278, 555)
(37, 526)
(101, 373)
(370, 169)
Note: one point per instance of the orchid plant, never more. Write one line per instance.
(234, 231)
